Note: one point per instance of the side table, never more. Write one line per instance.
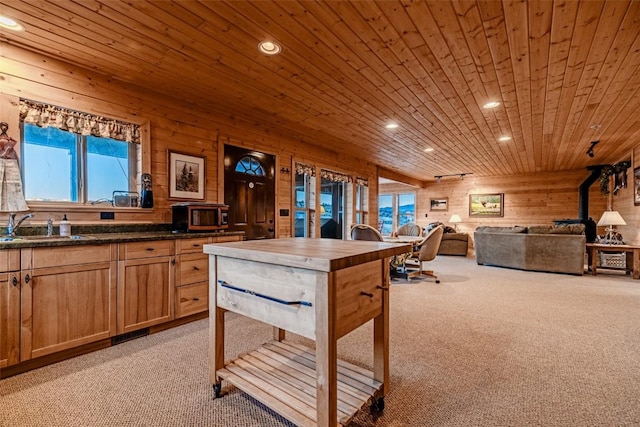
(632, 253)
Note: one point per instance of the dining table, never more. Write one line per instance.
(398, 267)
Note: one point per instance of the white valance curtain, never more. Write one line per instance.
(45, 115)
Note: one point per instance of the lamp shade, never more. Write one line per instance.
(455, 218)
(611, 218)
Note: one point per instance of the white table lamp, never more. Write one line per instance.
(609, 219)
(455, 219)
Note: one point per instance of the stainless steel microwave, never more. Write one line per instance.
(194, 217)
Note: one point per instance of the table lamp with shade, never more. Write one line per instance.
(609, 219)
(455, 220)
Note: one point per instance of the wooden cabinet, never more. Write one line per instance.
(192, 274)
(67, 297)
(145, 284)
(9, 307)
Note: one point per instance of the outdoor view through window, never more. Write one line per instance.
(53, 162)
(401, 207)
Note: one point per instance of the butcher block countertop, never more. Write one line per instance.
(313, 254)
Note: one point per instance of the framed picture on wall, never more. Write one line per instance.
(441, 204)
(187, 176)
(636, 186)
(486, 205)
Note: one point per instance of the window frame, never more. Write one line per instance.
(141, 156)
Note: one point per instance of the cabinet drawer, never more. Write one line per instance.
(156, 248)
(258, 290)
(222, 239)
(190, 246)
(193, 268)
(65, 255)
(191, 299)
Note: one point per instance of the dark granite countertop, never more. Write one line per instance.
(29, 237)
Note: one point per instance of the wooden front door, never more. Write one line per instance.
(249, 190)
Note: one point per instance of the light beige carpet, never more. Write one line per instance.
(485, 347)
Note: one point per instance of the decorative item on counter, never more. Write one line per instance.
(11, 195)
(65, 226)
(146, 191)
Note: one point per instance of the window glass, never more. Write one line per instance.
(250, 166)
(385, 213)
(49, 160)
(406, 208)
(57, 166)
(106, 157)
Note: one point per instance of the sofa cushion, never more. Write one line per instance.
(540, 229)
(514, 229)
(568, 229)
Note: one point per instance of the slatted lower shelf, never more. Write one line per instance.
(282, 375)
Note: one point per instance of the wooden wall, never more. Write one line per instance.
(174, 124)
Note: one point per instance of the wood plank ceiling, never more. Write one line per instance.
(558, 68)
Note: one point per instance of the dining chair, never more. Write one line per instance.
(426, 251)
(409, 229)
(365, 232)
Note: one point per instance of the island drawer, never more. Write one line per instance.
(277, 295)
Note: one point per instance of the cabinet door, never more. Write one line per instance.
(64, 307)
(145, 292)
(10, 319)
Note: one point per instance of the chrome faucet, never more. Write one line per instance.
(50, 227)
(12, 225)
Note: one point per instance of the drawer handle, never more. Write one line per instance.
(196, 245)
(366, 294)
(267, 297)
(196, 268)
(196, 299)
(14, 281)
(150, 249)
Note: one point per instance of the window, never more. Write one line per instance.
(362, 201)
(395, 210)
(60, 166)
(304, 200)
(250, 166)
(68, 156)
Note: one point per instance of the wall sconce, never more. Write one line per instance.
(590, 152)
(285, 170)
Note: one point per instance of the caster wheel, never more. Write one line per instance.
(377, 406)
(217, 388)
(437, 281)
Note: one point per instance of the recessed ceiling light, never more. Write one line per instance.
(428, 150)
(504, 138)
(269, 48)
(10, 24)
(392, 126)
(492, 104)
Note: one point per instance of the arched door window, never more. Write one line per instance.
(250, 166)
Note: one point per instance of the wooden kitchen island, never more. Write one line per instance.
(317, 288)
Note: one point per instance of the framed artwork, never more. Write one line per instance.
(441, 204)
(187, 176)
(486, 205)
(636, 186)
